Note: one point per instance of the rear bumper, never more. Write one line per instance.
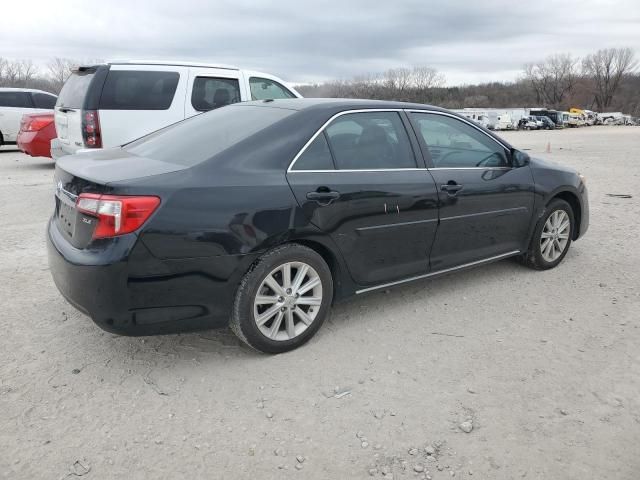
(125, 290)
(56, 149)
(34, 143)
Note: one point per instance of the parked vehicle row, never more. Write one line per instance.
(541, 118)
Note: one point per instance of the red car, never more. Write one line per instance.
(36, 132)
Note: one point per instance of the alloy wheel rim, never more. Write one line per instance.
(287, 301)
(555, 235)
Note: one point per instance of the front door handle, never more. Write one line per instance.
(451, 187)
(323, 196)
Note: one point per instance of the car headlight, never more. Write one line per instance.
(583, 178)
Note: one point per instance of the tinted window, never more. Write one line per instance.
(201, 137)
(263, 88)
(453, 143)
(369, 141)
(317, 156)
(43, 100)
(209, 93)
(133, 90)
(15, 99)
(75, 89)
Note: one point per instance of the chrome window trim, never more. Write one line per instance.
(322, 128)
(373, 170)
(398, 110)
(463, 120)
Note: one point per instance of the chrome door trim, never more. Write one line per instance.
(439, 272)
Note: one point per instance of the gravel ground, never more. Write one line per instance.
(499, 372)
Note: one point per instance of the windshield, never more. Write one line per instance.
(199, 138)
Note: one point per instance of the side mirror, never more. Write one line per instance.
(519, 159)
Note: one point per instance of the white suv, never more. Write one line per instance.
(114, 103)
(16, 102)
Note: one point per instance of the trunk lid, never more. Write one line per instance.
(94, 172)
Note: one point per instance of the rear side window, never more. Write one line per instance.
(263, 89)
(15, 99)
(43, 100)
(210, 93)
(317, 156)
(199, 138)
(370, 141)
(138, 90)
(75, 89)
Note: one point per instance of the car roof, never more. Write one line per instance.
(340, 104)
(331, 106)
(31, 90)
(180, 63)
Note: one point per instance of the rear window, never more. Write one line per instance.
(136, 90)
(199, 138)
(15, 99)
(75, 89)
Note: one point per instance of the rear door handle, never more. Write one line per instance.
(451, 187)
(323, 196)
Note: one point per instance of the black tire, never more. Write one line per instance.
(534, 258)
(243, 322)
(1, 139)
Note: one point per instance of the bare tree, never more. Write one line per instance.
(425, 78)
(607, 68)
(59, 70)
(397, 81)
(553, 79)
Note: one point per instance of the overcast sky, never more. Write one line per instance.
(309, 41)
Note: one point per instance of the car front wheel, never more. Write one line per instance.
(283, 300)
(552, 237)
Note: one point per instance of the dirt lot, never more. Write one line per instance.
(545, 366)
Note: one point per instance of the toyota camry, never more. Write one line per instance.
(261, 215)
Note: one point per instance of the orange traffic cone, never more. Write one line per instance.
(548, 150)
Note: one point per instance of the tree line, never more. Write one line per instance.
(606, 80)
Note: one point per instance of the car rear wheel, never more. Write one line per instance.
(283, 300)
(552, 237)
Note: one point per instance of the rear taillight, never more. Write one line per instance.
(91, 129)
(116, 215)
(35, 123)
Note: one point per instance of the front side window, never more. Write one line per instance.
(265, 89)
(210, 93)
(15, 99)
(453, 143)
(138, 90)
(43, 100)
(370, 141)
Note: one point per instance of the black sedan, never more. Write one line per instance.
(261, 215)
